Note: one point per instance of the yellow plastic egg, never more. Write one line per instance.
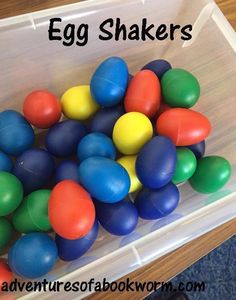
(128, 162)
(131, 132)
(78, 104)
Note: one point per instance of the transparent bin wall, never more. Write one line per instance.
(30, 61)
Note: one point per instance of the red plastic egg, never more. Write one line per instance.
(42, 109)
(183, 126)
(143, 94)
(71, 210)
(5, 273)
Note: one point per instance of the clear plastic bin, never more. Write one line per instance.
(30, 61)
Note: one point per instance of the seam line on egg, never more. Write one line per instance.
(32, 219)
(178, 131)
(30, 171)
(107, 80)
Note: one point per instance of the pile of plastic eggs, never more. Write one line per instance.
(121, 134)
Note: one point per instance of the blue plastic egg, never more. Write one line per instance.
(72, 249)
(104, 179)
(6, 163)
(198, 149)
(34, 168)
(109, 81)
(9, 116)
(155, 164)
(119, 218)
(33, 255)
(96, 144)
(105, 119)
(67, 169)
(158, 66)
(62, 138)
(16, 134)
(155, 204)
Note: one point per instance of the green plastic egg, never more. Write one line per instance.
(32, 215)
(180, 88)
(11, 193)
(185, 166)
(211, 174)
(6, 232)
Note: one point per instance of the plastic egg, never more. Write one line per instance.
(10, 116)
(33, 255)
(131, 132)
(5, 274)
(72, 249)
(6, 232)
(104, 179)
(143, 94)
(155, 164)
(158, 66)
(109, 81)
(32, 214)
(67, 169)
(128, 162)
(198, 149)
(185, 166)
(34, 168)
(42, 109)
(11, 193)
(183, 126)
(15, 139)
(158, 203)
(71, 210)
(96, 144)
(105, 119)
(78, 104)
(211, 175)
(6, 163)
(62, 139)
(119, 218)
(180, 88)
(16, 134)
